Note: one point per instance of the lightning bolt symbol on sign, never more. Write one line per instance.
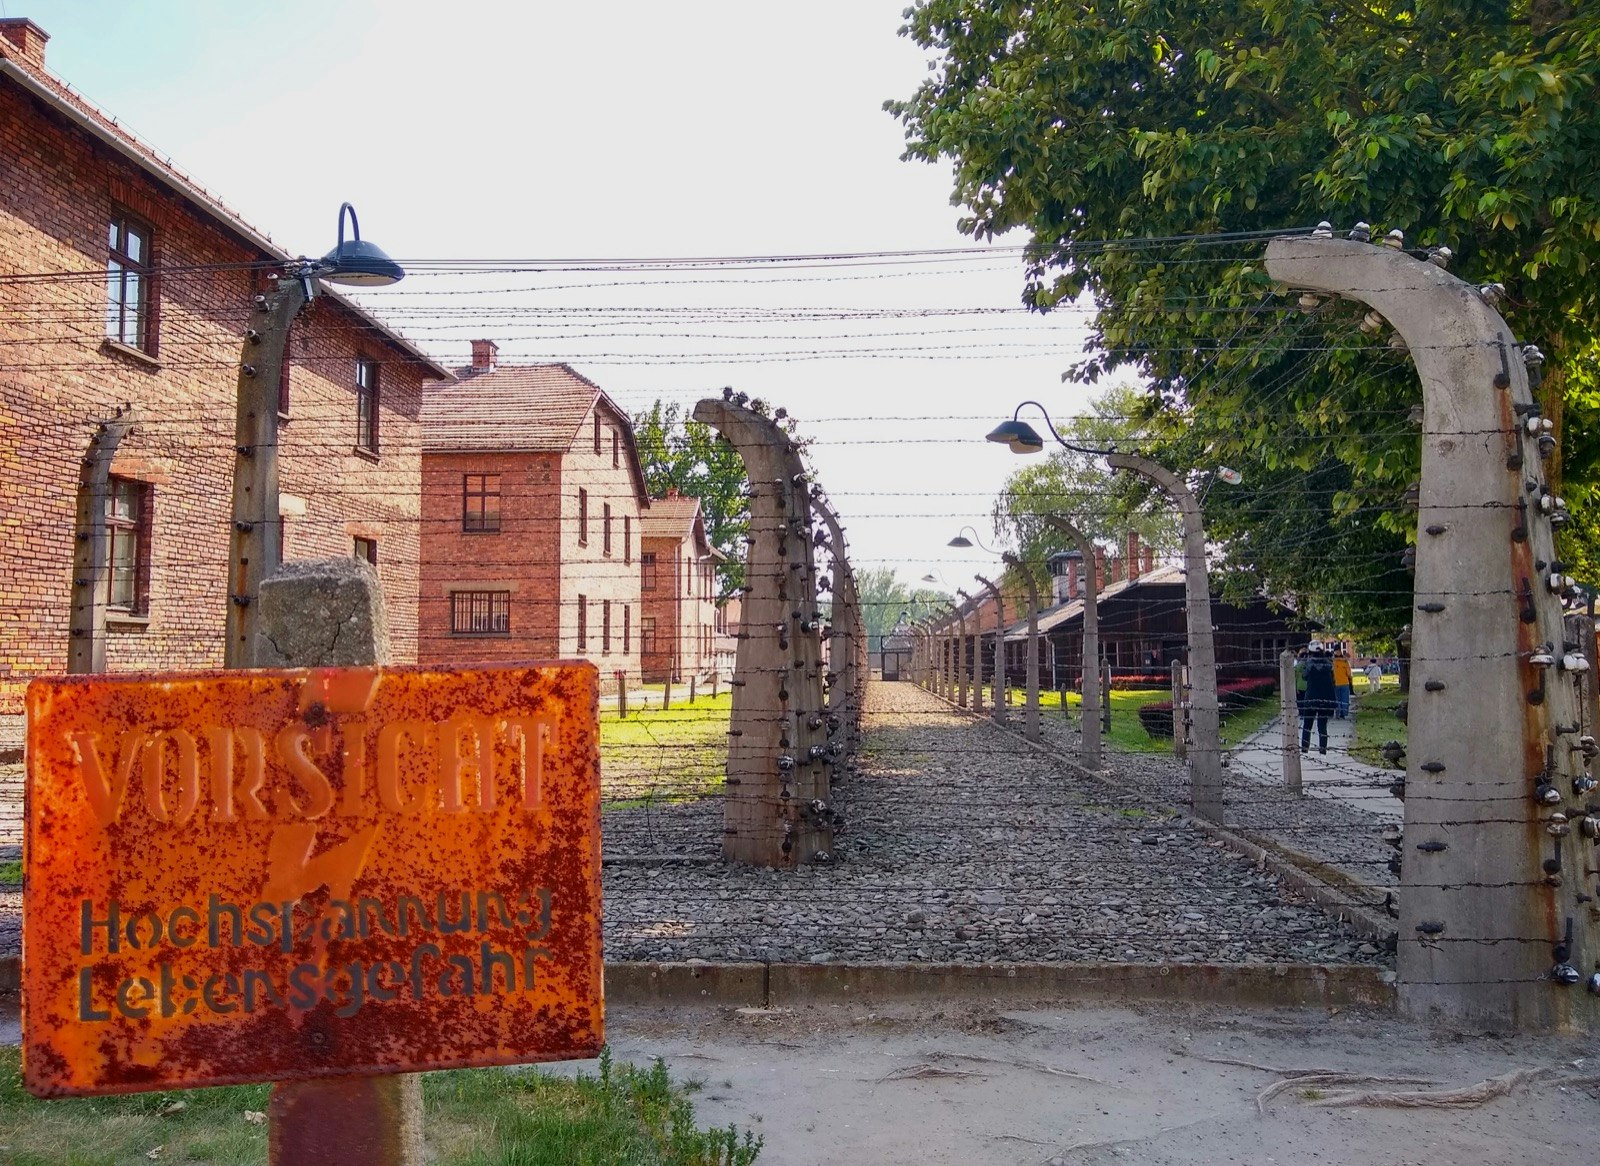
(293, 873)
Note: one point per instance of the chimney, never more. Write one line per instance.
(27, 38)
(483, 356)
(672, 491)
(1072, 578)
(1100, 576)
(1134, 558)
(1149, 560)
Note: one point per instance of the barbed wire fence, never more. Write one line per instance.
(955, 840)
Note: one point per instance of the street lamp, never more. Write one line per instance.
(356, 262)
(1205, 783)
(961, 540)
(256, 535)
(1023, 438)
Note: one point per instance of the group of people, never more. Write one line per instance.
(1322, 686)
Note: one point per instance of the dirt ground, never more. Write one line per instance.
(943, 1083)
(952, 1083)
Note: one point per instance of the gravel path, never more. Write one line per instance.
(963, 845)
(1338, 833)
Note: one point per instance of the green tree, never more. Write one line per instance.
(677, 451)
(884, 600)
(1109, 130)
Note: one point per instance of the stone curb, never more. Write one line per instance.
(773, 985)
(755, 985)
(1289, 866)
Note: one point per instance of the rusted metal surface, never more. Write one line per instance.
(269, 875)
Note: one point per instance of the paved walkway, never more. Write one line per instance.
(1335, 775)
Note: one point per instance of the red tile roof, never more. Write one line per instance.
(535, 408)
(675, 518)
(60, 96)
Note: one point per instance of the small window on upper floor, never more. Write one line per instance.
(616, 449)
(130, 291)
(366, 405)
(365, 549)
(480, 502)
(597, 432)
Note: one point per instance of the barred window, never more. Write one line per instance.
(480, 613)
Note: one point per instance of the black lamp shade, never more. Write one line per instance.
(360, 264)
(356, 262)
(960, 540)
(1019, 435)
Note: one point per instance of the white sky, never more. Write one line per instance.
(633, 129)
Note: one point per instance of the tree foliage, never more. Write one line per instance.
(884, 599)
(678, 451)
(1115, 131)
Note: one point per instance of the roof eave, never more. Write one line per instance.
(225, 218)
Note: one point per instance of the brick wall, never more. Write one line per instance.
(59, 377)
(586, 569)
(684, 608)
(522, 557)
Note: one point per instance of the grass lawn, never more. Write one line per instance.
(659, 753)
(11, 872)
(1127, 731)
(475, 1117)
(1376, 723)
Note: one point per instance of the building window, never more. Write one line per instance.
(688, 578)
(605, 528)
(367, 405)
(616, 449)
(583, 517)
(583, 622)
(627, 628)
(627, 538)
(367, 549)
(597, 432)
(480, 502)
(480, 613)
(129, 290)
(647, 635)
(647, 574)
(605, 626)
(128, 536)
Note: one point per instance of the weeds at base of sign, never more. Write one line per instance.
(476, 1117)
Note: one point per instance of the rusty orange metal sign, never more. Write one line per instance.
(249, 876)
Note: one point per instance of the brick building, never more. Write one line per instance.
(123, 285)
(531, 501)
(678, 580)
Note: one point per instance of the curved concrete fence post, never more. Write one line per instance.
(1497, 918)
(777, 809)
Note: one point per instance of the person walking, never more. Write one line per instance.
(1341, 683)
(1374, 677)
(1317, 701)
